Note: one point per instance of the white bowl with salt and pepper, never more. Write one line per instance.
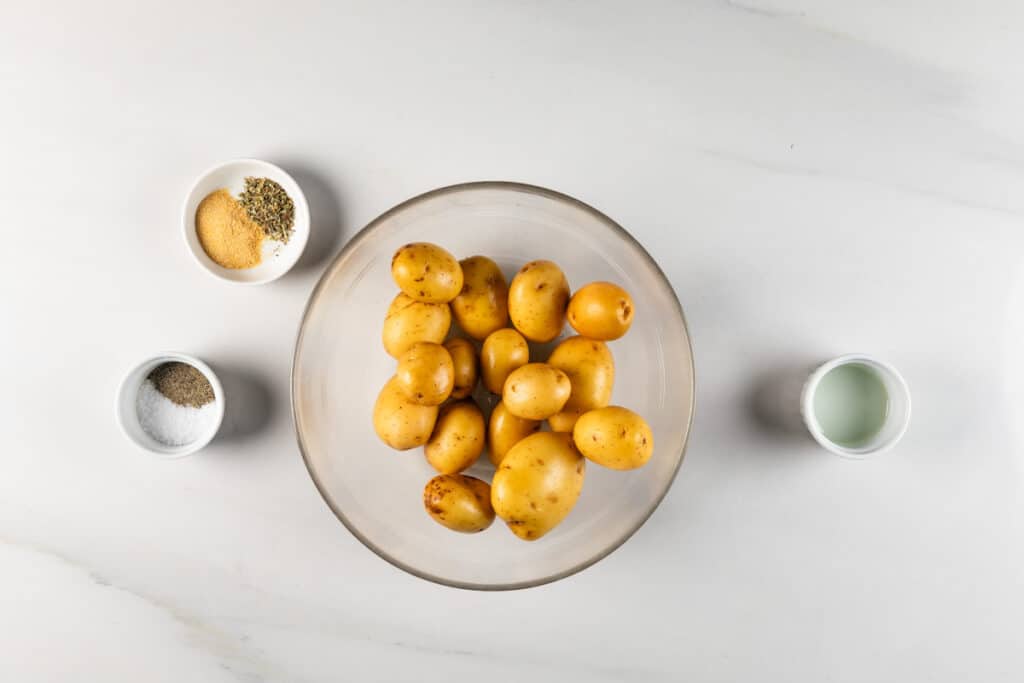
(158, 425)
(277, 257)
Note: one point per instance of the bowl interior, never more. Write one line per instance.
(278, 258)
(340, 366)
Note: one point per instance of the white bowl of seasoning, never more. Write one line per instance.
(171, 405)
(246, 236)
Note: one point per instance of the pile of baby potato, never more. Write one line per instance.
(539, 474)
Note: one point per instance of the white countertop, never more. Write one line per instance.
(814, 177)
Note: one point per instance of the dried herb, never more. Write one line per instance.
(268, 204)
(182, 383)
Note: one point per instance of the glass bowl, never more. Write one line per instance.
(340, 366)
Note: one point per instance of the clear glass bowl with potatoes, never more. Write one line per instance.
(493, 386)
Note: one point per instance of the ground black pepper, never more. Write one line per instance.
(182, 384)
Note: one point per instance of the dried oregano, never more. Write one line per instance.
(269, 205)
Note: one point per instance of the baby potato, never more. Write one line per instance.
(409, 321)
(591, 370)
(537, 300)
(399, 423)
(482, 305)
(426, 374)
(459, 502)
(426, 272)
(564, 421)
(537, 484)
(458, 439)
(503, 351)
(536, 391)
(464, 358)
(601, 310)
(505, 430)
(614, 437)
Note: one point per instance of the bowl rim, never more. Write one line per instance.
(301, 237)
(343, 254)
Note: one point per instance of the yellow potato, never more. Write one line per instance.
(464, 358)
(482, 305)
(459, 502)
(427, 273)
(536, 391)
(409, 321)
(505, 430)
(458, 439)
(614, 437)
(537, 300)
(591, 370)
(564, 420)
(399, 423)
(503, 351)
(426, 374)
(537, 484)
(601, 310)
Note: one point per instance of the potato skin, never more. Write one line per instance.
(563, 421)
(466, 368)
(399, 423)
(459, 503)
(614, 437)
(537, 484)
(601, 310)
(503, 351)
(591, 369)
(458, 438)
(482, 305)
(537, 300)
(409, 321)
(505, 430)
(536, 391)
(426, 374)
(426, 272)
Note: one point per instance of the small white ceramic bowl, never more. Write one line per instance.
(896, 422)
(128, 416)
(278, 258)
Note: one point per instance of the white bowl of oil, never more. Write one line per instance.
(856, 406)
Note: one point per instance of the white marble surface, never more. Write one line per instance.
(814, 176)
